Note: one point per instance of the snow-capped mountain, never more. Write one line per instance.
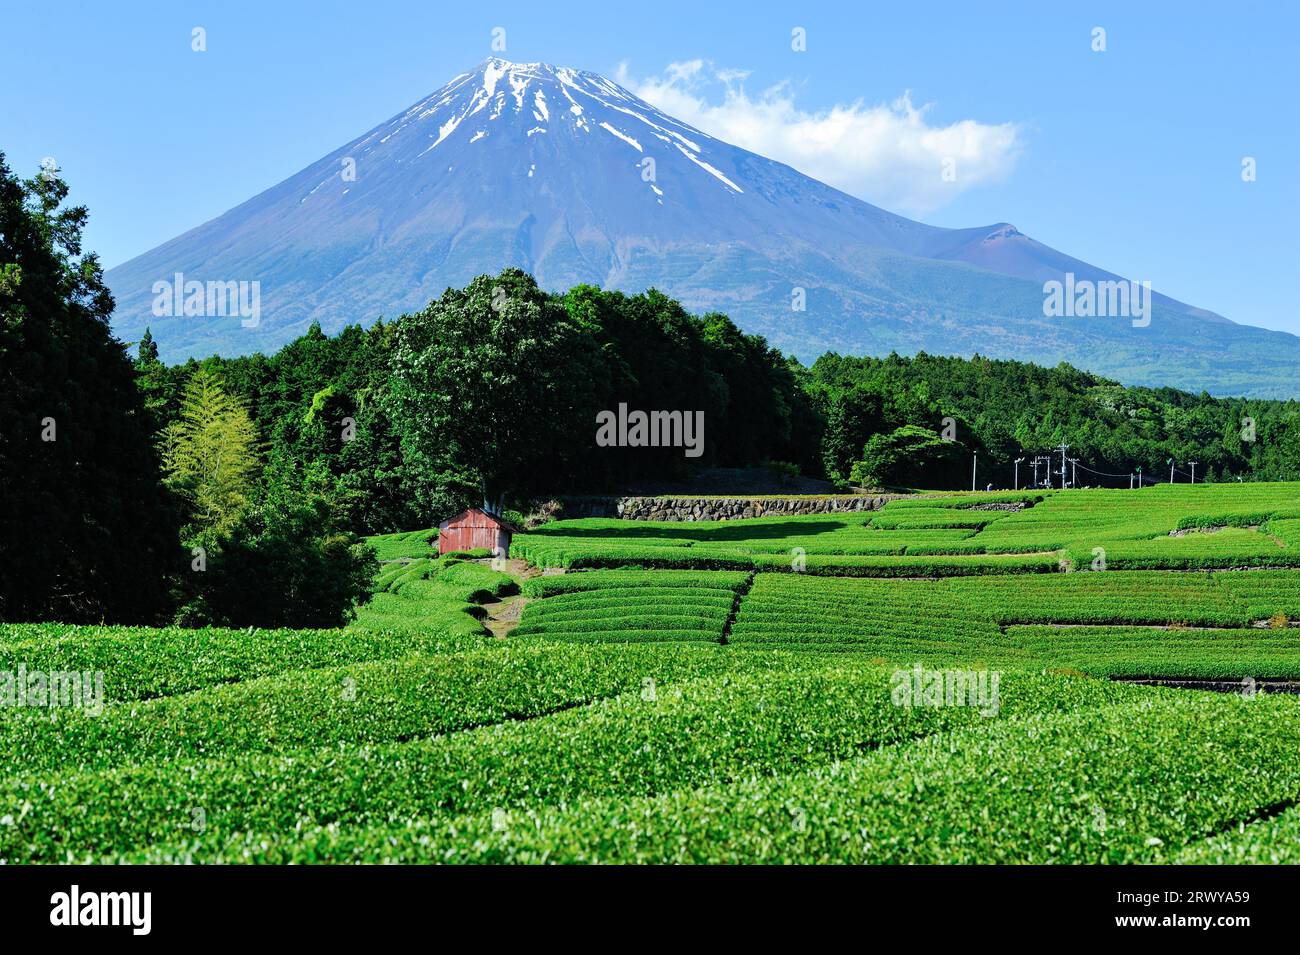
(568, 175)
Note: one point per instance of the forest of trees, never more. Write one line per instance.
(235, 490)
(86, 527)
(491, 394)
(123, 504)
(1009, 409)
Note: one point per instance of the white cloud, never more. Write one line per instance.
(886, 154)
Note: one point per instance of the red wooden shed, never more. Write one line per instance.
(475, 529)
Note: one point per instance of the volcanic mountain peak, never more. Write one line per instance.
(1004, 230)
(523, 100)
(568, 175)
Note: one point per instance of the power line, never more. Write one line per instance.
(1101, 473)
(1143, 478)
(1037, 459)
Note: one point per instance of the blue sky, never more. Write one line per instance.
(1129, 159)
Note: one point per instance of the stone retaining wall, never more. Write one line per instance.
(728, 508)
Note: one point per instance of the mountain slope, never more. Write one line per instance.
(573, 178)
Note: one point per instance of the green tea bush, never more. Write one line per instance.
(1270, 841)
(696, 609)
(1113, 784)
(1123, 782)
(977, 618)
(440, 593)
(631, 745)
(1154, 652)
(143, 662)
(412, 544)
(365, 702)
(644, 581)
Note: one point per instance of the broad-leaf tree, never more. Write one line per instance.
(490, 390)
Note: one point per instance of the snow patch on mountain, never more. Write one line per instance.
(623, 136)
(522, 93)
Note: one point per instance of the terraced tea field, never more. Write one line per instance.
(948, 679)
(1167, 527)
(634, 606)
(1136, 623)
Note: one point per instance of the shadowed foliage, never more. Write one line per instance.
(87, 532)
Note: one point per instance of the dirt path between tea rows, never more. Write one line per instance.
(503, 615)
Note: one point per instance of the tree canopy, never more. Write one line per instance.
(210, 454)
(87, 531)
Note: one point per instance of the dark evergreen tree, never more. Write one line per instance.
(87, 532)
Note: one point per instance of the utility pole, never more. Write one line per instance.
(1074, 472)
(1018, 460)
(1139, 470)
(1064, 447)
(1130, 480)
(1170, 462)
(973, 458)
(1193, 464)
(1035, 470)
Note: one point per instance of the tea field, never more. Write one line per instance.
(959, 678)
(1174, 527)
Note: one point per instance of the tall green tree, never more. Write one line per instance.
(910, 457)
(853, 415)
(210, 454)
(87, 531)
(490, 391)
(156, 383)
(1009, 409)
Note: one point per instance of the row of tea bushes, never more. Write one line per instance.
(139, 663)
(759, 725)
(1120, 783)
(363, 703)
